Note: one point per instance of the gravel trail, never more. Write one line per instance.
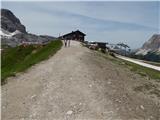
(78, 84)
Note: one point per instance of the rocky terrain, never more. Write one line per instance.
(14, 33)
(10, 22)
(152, 45)
(150, 50)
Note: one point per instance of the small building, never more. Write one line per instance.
(74, 35)
(101, 45)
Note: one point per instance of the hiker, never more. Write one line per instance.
(65, 42)
(69, 43)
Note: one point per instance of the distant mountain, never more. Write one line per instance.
(13, 33)
(117, 49)
(150, 49)
(152, 45)
(10, 23)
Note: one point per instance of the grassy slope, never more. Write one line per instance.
(20, 58)
(144, 71)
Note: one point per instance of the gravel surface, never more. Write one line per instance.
(79, 84)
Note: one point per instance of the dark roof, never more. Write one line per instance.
(99, 42)
(73, 32)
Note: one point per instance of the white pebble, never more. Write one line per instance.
(33, 96)
(142, 107)
(69, 112)
(109, 82)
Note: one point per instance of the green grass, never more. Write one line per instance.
(20, 58)
(143, 71)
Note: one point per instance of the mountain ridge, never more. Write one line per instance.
(150, 50)
(14, 33)
(10, 22)
(152, 45)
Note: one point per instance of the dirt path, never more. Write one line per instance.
(78, 84)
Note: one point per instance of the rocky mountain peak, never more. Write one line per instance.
(10, 22)
(13, 33)
(153, 43)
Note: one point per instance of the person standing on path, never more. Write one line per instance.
(69, 41)
(65, 42)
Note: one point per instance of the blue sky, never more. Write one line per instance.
(129, 22)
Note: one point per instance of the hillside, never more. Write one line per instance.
(150, 50)
(13, 32)
(20, 58)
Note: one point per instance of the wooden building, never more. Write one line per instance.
(101, 45)
(74, 35)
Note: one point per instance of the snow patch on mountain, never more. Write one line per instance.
(4, 33)
(142, 51)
